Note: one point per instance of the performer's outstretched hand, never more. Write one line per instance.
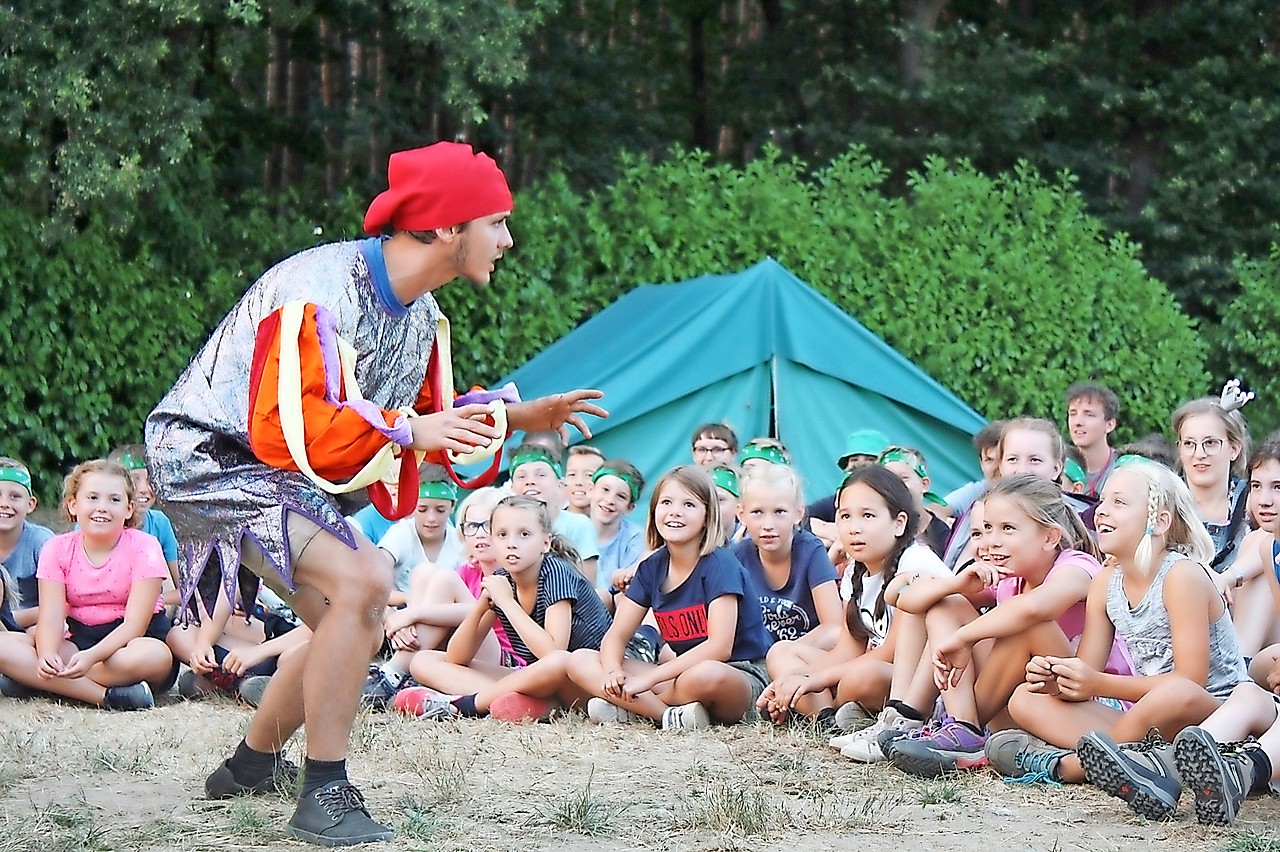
(557, 412)
(458, 430)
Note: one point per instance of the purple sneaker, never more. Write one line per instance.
(948, 748)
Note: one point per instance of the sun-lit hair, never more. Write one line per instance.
(1057, 448)
(585, 450)
(898, 499)
(773, 476)
(1237, 428)
(696, 481)
(484, 499)
(71, 484)
(1041, 500)
(1166, 492)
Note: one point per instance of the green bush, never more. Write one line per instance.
(1003, 288)
(1249, 338)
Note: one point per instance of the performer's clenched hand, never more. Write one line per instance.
(458, 430)
(557, 412)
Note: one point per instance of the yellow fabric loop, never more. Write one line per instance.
(381, 466)
(444, 362)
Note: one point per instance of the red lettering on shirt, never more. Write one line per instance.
(683, 625)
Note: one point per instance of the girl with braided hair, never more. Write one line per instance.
(1037, 565)
(1156, 594)
(876, 521)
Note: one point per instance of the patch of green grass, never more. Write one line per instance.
(1249, 841)
(941, 791)
(419, 822)
(125, 761)
(249, 826)
(583, 812)
(735, 809)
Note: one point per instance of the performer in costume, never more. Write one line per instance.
(332, 362)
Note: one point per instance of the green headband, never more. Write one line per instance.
(907, 457)
(441, 489)
(770, 454)
(1074, 472)
(1130, 458)
(625, 477)
(13, 474)
(537, 454)
(132, 462)
(725, 478)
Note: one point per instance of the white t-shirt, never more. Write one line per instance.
(580, 532)
(402, 542)
(916, 559)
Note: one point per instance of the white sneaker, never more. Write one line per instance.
(603, 713)
(863, 746)
(851, 716)
(686, 717)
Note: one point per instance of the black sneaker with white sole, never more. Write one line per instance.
(335, 815)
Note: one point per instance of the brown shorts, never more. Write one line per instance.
(758, 677)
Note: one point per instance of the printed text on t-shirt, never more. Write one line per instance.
(683, 625)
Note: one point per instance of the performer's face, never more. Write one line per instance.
(479, 247)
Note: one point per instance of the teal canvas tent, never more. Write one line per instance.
(763, 352)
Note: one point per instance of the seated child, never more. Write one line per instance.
(1250, 584)
(1038, 564)
(987, 444)
(789, 569)
(439, 601)
(579, 468)
(536, 471)
(100, 629)
(1234, 752)
(234, 652)
(425, 536)
(908, 464)
(702, 600)
(876, 522)
(544, 606)
(727, 480)
(1156, 594)
(616, 487)
(20, 543)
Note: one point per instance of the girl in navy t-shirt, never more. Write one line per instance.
(706, 611)
(789, 567)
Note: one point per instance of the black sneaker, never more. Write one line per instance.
(135, 696)
(378, 691)
(10, 688)
(335, 815)
(222, 784)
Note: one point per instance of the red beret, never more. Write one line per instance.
(438, 186)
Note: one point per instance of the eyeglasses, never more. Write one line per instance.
(711, 451)
(470, 529)
(1211, 446)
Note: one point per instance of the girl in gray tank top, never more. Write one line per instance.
(1147, 634)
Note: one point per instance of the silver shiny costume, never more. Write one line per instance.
(214, 488)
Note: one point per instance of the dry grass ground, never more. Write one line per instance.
(76, 780)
